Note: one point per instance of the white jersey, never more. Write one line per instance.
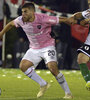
(86, 14)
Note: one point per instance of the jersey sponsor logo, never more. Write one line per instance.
(51, 20)
(35, 34)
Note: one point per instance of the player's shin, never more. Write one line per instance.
(33, 75)
(61, 80)
(85, 72)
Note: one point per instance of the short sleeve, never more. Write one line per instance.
(17, 22)
(53, 20)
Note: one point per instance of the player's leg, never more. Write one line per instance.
(82, 61)
(60, 78)
(83, 58)
(27, 66)
(51, 61)
(30, 72)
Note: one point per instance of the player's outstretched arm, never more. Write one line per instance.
(62, 19)
(85, 22)
(81, 20)
(68, 21)
(6, 28)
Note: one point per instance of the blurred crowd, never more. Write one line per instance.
(17, 45)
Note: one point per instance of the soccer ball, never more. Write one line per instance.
(88, 85)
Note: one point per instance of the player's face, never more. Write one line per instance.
(89, 3)
(27, 14)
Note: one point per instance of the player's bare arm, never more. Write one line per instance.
(6, 28)
(68, 21)
(85, 22)
(82, 21)
(62, 19)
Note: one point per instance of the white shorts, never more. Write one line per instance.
(48, 54)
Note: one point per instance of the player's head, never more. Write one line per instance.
(89, 3)
(28, 10)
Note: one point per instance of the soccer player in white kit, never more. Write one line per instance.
(42, 46)
(84, 50)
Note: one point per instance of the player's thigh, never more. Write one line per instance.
(50, 58)
(82, 58)
(32, 56)
(50, 54)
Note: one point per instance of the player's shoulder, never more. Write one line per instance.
(41, 14)
(86, 11)
(19, 18)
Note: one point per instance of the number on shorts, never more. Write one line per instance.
(51, 53)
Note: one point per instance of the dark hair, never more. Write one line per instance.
(29, 5)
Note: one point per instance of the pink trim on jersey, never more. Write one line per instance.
(38, 32)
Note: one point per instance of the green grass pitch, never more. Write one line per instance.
(16, 86)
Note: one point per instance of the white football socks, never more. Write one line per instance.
(33, 75)
(61, 80)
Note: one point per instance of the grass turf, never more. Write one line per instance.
(16, 86)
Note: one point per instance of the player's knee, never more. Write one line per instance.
(82, 58)
(22, 65)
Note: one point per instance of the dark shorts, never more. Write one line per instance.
(84, 49)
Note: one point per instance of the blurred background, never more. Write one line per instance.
(68, 38)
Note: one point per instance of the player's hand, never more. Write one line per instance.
(83, 22)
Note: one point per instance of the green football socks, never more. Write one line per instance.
(85, 72)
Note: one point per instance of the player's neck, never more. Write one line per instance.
(32, 19)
